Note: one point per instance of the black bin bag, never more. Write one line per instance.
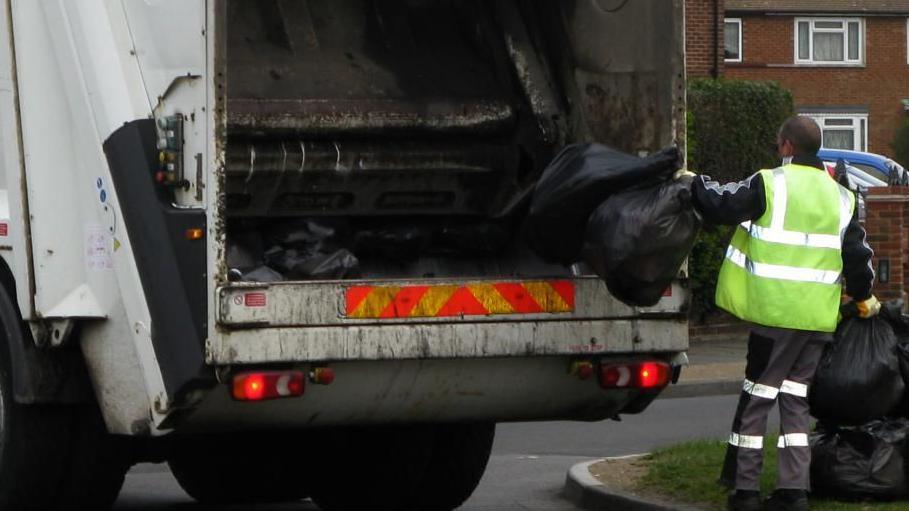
(865, 462)
(638, 239)
(575, 183)
(858, 378)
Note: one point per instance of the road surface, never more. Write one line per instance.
(529, 460)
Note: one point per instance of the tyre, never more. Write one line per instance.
(32, 437)
(388, 463)
(97, 463)
(240, 468)
(459, 457)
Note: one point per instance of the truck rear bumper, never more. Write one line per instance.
(425, 391)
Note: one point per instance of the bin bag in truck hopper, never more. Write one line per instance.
(297, 250)
(639, 238)
(865, 462)
(575, 183)
(858, 379)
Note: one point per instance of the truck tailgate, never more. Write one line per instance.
(369, 320)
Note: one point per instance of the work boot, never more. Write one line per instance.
(788, 500)
(743, 500)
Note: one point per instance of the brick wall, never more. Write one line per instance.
(768, 49)
(887, 224)
(699, 37)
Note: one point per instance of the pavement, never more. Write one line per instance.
(717, 367)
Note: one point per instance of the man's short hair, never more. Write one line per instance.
(803, 133)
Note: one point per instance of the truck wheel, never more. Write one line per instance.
(98, 462)
(459, 457)
(32, 437)
(240, 469)
(388, 464)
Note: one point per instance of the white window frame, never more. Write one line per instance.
(859, 137)
(737, 21)
(860, 61)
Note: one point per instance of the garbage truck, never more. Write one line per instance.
(271, 242)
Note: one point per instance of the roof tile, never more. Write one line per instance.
(821, 6)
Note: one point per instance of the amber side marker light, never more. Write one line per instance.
(635, 375)
(265, 385)
(195, 234)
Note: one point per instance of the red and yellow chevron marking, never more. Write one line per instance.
(449, 300)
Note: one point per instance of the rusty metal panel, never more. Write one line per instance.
(324, 303)
(448, 340)
(337, 116)
(625, 69)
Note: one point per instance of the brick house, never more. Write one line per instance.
(847, 65)
(845, 61)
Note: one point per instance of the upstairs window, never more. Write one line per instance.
(842, 130)
(837, 41)
(733, 48)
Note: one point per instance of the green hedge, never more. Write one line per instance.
(732, 128)
(900, 144)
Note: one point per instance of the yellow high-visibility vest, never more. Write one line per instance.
(785, 268)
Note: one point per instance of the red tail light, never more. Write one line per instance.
(635, 375)
(260, 386)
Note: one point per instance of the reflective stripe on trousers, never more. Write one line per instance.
(793, 440)
(781, 364)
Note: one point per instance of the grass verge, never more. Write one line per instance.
(689, 472)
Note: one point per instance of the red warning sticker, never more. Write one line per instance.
(255, 300)
(4, 229)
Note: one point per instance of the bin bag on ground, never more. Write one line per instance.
(638, 239)
(575, 183)
(893, 312)
(865, 462)
(858, 379)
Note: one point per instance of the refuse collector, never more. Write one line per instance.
(798, 235)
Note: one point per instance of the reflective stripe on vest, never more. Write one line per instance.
(777, 234)
(784, 268)
(773, 271)
(803, 239)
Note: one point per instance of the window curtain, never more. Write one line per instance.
(828, 46)
(732, 41)
(839, 139)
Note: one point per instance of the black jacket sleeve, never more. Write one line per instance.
(729, 204)
(857, 256)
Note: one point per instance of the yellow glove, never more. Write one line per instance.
(869, 308)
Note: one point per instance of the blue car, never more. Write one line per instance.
(878, 167)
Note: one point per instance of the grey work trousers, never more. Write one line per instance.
(781, 365)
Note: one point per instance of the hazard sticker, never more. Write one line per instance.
(452, 300)
(4, 229)
(255, 300)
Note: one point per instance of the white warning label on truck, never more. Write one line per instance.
(98, 249)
